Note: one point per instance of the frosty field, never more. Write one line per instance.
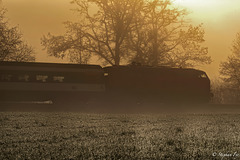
(48, 135)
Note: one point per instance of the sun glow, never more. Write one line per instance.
(211, 10)
(207, 4)
(199, 3)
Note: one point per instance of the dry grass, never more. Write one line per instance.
(102, 136)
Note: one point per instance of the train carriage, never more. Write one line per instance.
(162, 83)
(49, 81)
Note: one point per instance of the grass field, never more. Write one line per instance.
(105, 136)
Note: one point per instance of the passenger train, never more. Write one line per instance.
(30, 81)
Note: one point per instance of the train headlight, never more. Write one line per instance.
(203, 75)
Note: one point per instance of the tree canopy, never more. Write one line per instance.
(230, 69)
(151, 32)
(12, 46)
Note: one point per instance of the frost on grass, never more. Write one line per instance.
(93, 136)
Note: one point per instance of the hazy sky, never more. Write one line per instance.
(220, 18)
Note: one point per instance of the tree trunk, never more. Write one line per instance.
(155, 48)
(117, 55)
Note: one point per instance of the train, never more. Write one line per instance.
(82, 83)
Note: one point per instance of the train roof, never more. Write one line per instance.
(162, 68)
(55, 65)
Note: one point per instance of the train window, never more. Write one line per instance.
(6, 77)
(23, 78)
(203, 75)
(42, 78)
(58, 78)
(83, 77)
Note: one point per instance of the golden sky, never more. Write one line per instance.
(220, 18)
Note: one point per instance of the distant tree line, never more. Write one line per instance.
(227, 88)
(230, 69)
(150, 32)
(12, 45)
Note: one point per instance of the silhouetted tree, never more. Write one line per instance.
(68, 45)
(230, 72)
(230, 69)
(150, 32)
(12, 46)
(101, 32)
(163, 37)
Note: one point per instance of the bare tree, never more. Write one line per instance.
(163, 37)
(151, 32)
(230, 69)
(69, 45)
(12, 46)
(100, 33)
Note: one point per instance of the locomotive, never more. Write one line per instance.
(59, 82)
